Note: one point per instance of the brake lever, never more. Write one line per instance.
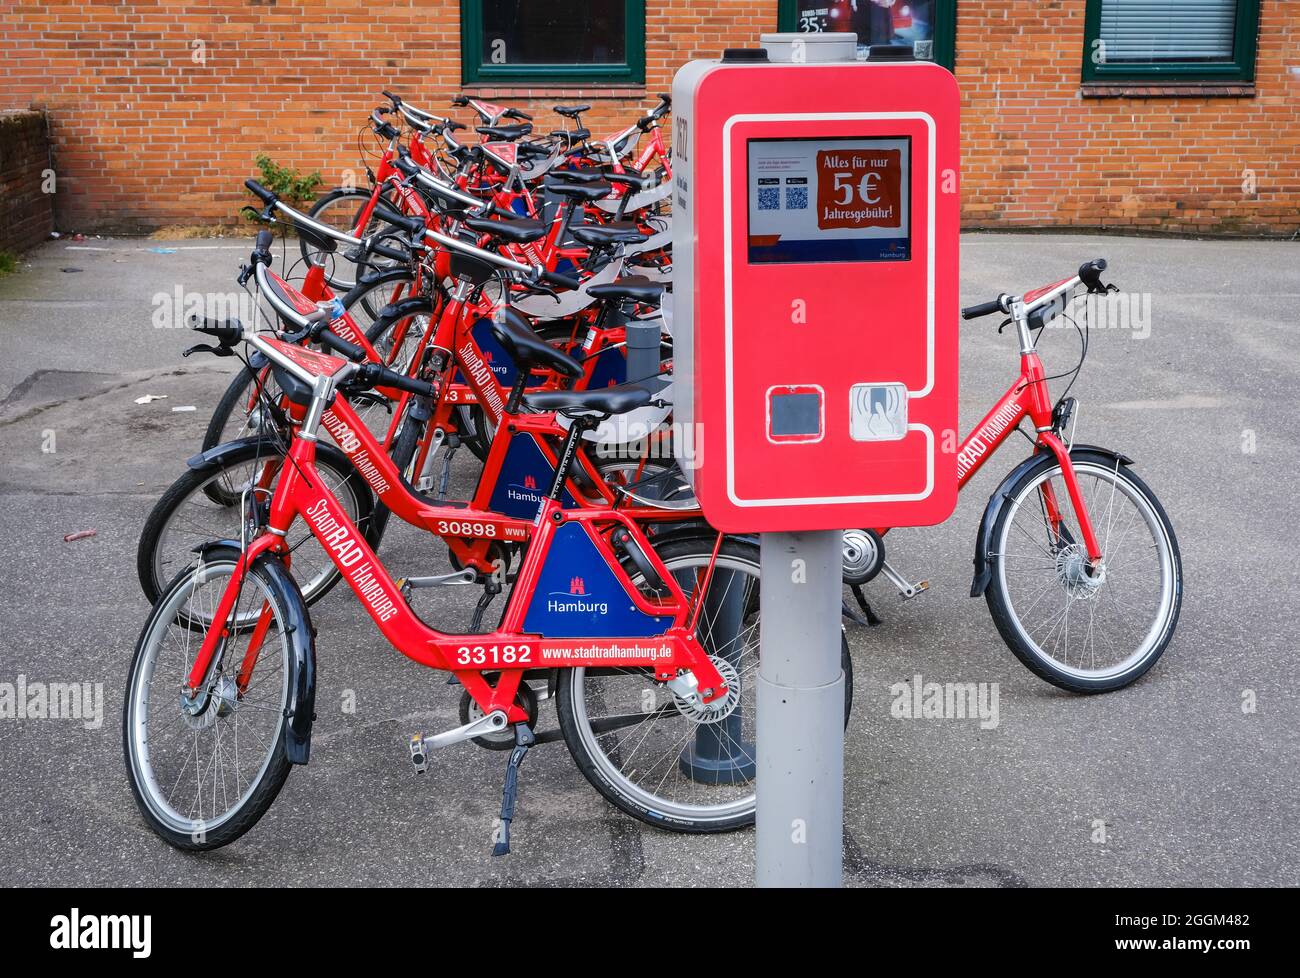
(1003, 325)
(539, 289)
(216, 351)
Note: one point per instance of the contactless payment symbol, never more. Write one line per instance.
(859, 188)
(878, 412)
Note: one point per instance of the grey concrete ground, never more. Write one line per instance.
(1192, 788)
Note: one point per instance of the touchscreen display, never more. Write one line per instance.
(828, 200)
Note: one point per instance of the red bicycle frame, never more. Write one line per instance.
(508, 650)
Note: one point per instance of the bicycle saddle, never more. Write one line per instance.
(519, 231)
(572, 135)
(571, 111)
(532, 150)
(578, 176)
(587, 192)
(636, 287)
(505, 133)
(599, 235)
(601, 401)
(526, 348)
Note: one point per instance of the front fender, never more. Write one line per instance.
(997, 501)
(300, 710)
(218, 456)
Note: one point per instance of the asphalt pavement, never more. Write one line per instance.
(1191, 776)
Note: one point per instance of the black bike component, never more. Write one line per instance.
(524, 739)
(984, 536)
(624, 541)
(526, 348)
(339, 345)
(227, 332)
(985, 308)
(411, 225)
(267, 197)
(1090, 275)
(562, 280)
(1061, 415)
(602, 401)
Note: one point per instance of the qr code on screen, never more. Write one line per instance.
(796, 198)
(769, 199)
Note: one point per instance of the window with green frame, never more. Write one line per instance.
(553, 41)
(1173, 40)
(929, 26)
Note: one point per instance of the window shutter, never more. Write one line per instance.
(1145, 31)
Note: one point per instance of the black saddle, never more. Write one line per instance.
(601, 401)
(571, 111)
(585, 192)
(505, 133)
(526, 348)
(519, 231)
(602, 235)
(636, 287)
(572, 135)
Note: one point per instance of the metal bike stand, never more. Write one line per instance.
(800, 821)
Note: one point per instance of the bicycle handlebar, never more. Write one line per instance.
(562, 280)
(984, 308)
(1090, 274)
(339, 345)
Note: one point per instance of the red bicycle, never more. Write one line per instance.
(649, 649)
(1075, 556)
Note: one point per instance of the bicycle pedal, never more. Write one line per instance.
(906, 589)
(419, 753)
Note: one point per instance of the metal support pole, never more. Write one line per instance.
(800, 721)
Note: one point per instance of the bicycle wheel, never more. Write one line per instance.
(1087, 633)
(341, 209)
(204, 771)
(186, 516)
(651, 754)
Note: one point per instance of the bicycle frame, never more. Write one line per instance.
(508, 650)
(1028, 397)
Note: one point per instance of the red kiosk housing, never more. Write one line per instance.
(816, 216)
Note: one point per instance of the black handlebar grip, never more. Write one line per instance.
(407, 166)
(377, 375)
(411, 225)
(262, 243)
(339, 345)
(388, 251)
(562, 280)
(390, 96)
(983, 309)
(1091, 269)
(267, 197)
(227, 333)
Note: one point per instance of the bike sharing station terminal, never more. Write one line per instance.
(815, 245)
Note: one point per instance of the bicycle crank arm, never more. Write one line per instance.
(466, 576)
(490, 723)
(905, 589)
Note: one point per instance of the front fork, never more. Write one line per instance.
(1052, 505)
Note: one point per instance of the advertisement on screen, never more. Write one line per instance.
(829, 200)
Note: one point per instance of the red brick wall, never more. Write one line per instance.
(146, 136)
(1035, 152)
(26, 216)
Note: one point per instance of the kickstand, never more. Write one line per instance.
(871, 617)
(444, 479)
(524, 739)
(490, 590)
